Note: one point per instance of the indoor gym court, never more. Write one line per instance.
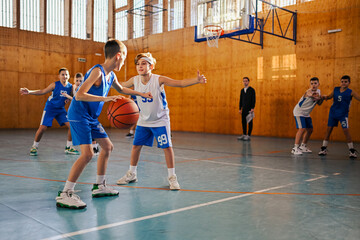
(230, 189)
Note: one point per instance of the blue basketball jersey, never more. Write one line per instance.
(90, 111)
(56, 100)
(341, 104)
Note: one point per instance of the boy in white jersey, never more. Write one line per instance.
(54, 108)
(303, 120)
(154, 120)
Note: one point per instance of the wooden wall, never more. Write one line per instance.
(279, 73)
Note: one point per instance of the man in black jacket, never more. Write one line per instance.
(246, 106)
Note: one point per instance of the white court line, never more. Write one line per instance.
(84, 231)
(272, 169)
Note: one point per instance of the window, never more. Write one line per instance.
(101, 16)
(6, 13)
(30, 15)
(121, 27)
(55, 17)
(78, 19)
(138, 19)
(157, 18)
(120, 3)
(176, 14)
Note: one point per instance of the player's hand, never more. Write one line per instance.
(113, 98)
(24, 91)
(316, 96)
(201, 78)
(147, 95)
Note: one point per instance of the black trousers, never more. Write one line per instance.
(244, 123)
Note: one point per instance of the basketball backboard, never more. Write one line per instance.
(235, 17)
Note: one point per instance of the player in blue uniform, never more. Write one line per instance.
(339, 112)
(54, 108)
(84, 111)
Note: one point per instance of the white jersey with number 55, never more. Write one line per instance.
(153, 112)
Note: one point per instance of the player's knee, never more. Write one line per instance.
(310, 130)
(87, 156)
(108, 148)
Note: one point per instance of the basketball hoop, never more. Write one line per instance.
(212, 34)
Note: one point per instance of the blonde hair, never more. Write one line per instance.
(147, 55)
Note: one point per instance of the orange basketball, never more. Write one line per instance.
(123, 113)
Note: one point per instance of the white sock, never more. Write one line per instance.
(350, 145)
(325, 143)
(133, 169)
(69, 186)
(296, 145)
(303, 144)
(132, 131)
(100, 179)
(35, 144)
(171, 172)
(68, 143)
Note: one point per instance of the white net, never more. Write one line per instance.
(212, 34)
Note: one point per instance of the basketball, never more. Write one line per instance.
(123, 113)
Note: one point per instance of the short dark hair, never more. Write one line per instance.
(314, 79)
(346, 77)
(112, 47)
(63, 69)
(246, 78)
(78, 75)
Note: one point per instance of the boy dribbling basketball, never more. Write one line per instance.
(154, 120)
(83, 116)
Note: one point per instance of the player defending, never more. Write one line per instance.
(154, 120)
(54, 108)
(84, 111)
(339, 112)
(303, 120)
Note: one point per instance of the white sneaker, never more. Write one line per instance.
(296, 151)
(174, 185)
(96, 150)
(129, 177)
(69, 199)
(352, 153)
(101, 190)
(305, 149)
(241, 137)
(246, 138)
(323, 151)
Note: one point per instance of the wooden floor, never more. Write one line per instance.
(230, 190)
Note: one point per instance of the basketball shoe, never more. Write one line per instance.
(101, 190)
(129, 135)
(96, 150)
(305, 149)
(323, 151)
(33, 151)
(128, 178)
(352, 153)
(241, 137)
(69, 199)
(296, 151)
(71, 150)
(174, 185)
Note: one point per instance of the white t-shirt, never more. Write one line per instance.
(305, 105)
(153, 112)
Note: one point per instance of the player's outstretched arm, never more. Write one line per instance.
(25, 91)
(182, 83)
(355, 95)
(124, 88)
(330, 96)
(67, 95)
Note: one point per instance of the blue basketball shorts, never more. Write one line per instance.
(333, 121)
(145, 136)
(83, 132)
(303, 122)
(48, 116)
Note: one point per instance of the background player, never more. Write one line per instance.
(339, 112)
(303, 120)
(54, 108)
